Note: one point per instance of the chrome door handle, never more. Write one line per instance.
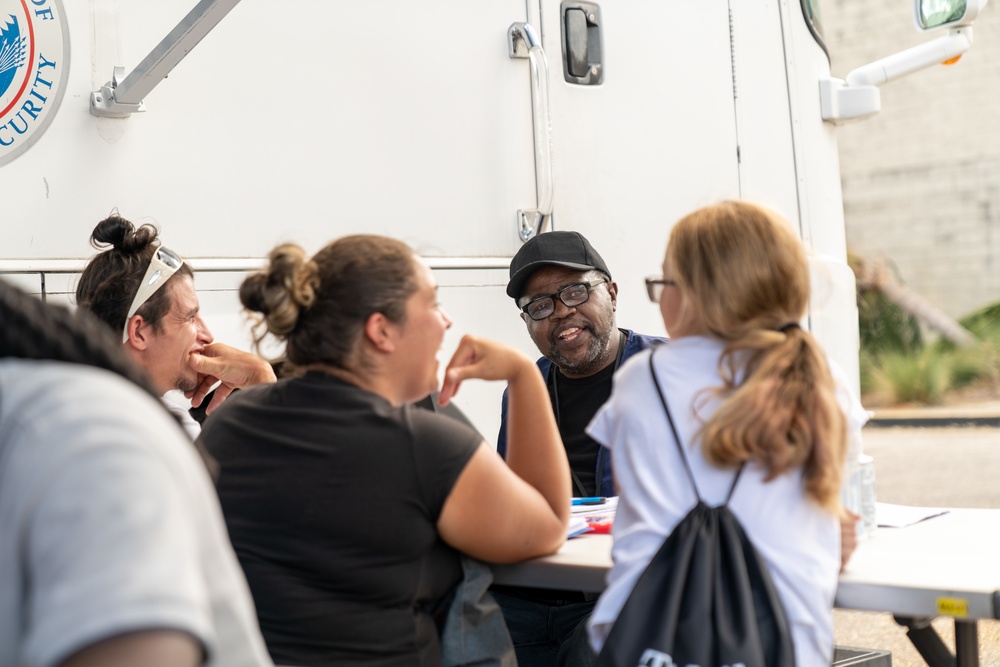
(523, 42)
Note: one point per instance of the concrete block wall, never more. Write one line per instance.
(921, 179)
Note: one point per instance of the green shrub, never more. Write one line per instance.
(984, 323)
(898, 367)
(970, 364)
(868, 368)
(927, 376)
(884, 326)
(912, 378)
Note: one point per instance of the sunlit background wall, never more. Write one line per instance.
(921, 179)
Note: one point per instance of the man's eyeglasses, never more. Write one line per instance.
(163, 264)
(573, 294)
(655, 285)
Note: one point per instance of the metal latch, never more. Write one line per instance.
(582, 50)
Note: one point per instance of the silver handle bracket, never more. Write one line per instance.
(523, 42)
(529, 222)
(520, 38)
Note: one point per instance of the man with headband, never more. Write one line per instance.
(145, 292)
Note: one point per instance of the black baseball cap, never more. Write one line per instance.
(569, 249)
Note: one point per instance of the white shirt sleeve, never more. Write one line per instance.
(176, 403)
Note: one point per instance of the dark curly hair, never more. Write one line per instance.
(111, 279)
(319, 306)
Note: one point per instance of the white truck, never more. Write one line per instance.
(461, 127)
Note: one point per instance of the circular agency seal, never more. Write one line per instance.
(34, 66)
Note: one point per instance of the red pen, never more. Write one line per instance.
(600, 524)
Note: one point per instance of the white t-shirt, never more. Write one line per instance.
(799, 541)
(179, 407)
(108, 523)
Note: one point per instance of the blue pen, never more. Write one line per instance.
(593, 500)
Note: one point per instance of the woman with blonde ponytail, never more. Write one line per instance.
(746, 384)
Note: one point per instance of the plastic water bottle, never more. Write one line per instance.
(866, 472)
(859, 495)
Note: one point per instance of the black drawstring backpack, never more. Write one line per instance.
(705, 600)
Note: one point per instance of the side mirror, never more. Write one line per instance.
(857, 95)
(931, 14)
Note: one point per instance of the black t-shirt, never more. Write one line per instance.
(576, 401)
(331, 497)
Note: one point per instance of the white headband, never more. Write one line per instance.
(163, 264)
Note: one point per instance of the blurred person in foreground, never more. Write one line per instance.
(348, 507)
(113, 546)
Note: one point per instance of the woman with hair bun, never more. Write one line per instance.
(746, 384)
(349, 508)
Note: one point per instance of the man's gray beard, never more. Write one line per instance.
(185, 386)
(596, 358)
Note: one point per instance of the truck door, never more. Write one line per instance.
(654, 139)
(290, 121)
(299, 122)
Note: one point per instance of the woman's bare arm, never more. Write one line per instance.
(508, 512)
(153, 648)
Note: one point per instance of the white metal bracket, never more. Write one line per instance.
(858, 96)
(123, 95)
(840, 102)
(103, 102)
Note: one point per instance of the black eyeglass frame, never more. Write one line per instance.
(559, 295)
(655, 285)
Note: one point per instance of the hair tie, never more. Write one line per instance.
(791, 325)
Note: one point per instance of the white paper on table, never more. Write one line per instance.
(900, 516)
(577, 526)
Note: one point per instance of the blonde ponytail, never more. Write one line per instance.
(745, 271)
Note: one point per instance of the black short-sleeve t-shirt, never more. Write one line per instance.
(331, 496)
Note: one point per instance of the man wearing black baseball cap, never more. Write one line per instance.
(567, 300)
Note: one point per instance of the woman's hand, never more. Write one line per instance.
(535, 488)
(848, 536)
(481, 359)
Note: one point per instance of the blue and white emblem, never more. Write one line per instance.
(34, 66)
(12, 52)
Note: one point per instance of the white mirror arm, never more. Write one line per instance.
(859, 96)
(906, 62)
